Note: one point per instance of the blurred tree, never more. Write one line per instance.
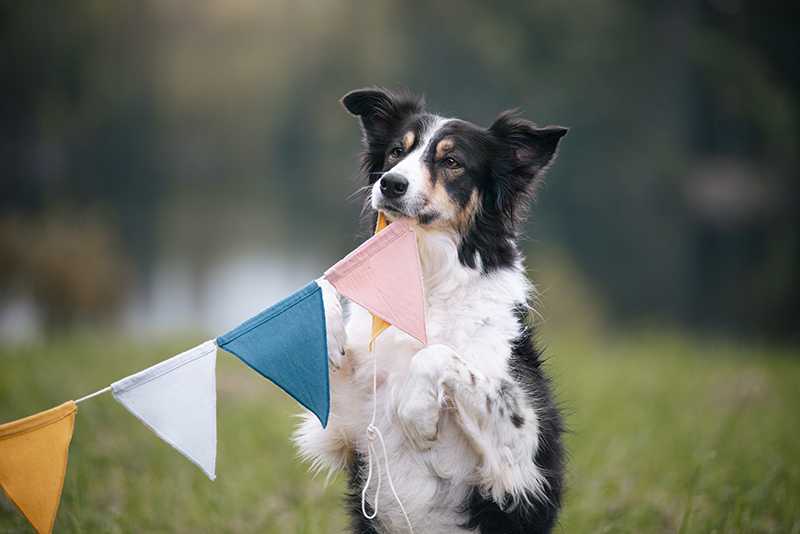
(204, 122)
(71, 263)
(76, 119)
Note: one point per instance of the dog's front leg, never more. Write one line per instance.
(432, 376)
(422, 397)
(492, 411)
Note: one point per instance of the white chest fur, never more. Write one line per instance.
(472, 315)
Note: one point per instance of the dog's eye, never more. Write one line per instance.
(396, 152)
(451, 163)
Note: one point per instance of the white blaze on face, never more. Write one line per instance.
(414, 169)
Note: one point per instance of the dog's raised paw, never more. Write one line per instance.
(334, 323)
(418, 411)
(421, 398)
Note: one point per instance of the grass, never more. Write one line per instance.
(122, 478)
(670, 434)
(673, 434)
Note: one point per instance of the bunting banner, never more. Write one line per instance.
(383, 276)
(33, 461)
(287, 344)
(177, 399)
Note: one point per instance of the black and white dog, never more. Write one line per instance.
(472, 432)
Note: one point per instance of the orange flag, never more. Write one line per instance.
(33, 460)
(378, 324)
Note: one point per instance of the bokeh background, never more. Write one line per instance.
(182, 164)
(169, 168)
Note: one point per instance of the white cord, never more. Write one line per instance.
(372, 433)
(96, 393)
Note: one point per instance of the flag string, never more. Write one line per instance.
(96, 393)
(306, 324)
(372, 433)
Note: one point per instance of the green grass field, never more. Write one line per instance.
(670, 434)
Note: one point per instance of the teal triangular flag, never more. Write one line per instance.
(286, 343)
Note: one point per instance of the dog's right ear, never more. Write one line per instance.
(380, 110)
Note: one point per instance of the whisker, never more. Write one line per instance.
(358, 191)
(367, 205)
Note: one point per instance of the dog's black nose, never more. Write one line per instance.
(393, 185)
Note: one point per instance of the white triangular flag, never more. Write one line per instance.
(177, 399)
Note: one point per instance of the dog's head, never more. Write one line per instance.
(448, 174)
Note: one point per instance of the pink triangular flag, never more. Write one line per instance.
(383, 276)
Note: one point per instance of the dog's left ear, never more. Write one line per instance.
(528, 149)
(380, 110)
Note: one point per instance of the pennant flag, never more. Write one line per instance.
(378, 324)
(33, 460)
(378, 327)
(383, 276)
(177, 399)
(381, 223)
(287, 344)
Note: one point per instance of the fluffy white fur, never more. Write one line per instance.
(436, 406)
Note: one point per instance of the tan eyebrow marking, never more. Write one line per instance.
(408, 141)
(444, 146)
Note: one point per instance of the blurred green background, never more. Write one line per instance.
(170, 168)
(159, 158)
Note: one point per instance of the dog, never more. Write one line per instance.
(471, 429)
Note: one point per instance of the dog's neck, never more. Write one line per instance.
(442, 272)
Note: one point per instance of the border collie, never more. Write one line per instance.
(471, 430)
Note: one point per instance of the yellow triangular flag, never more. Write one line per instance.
(33, 460)
(378, 324)
(381, 224)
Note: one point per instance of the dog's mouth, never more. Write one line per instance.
(424, 218)
(420, 211)
(393, 209)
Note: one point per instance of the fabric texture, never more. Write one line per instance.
(177, 399)
(287, 344)
(33, 461)
(383, 276)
